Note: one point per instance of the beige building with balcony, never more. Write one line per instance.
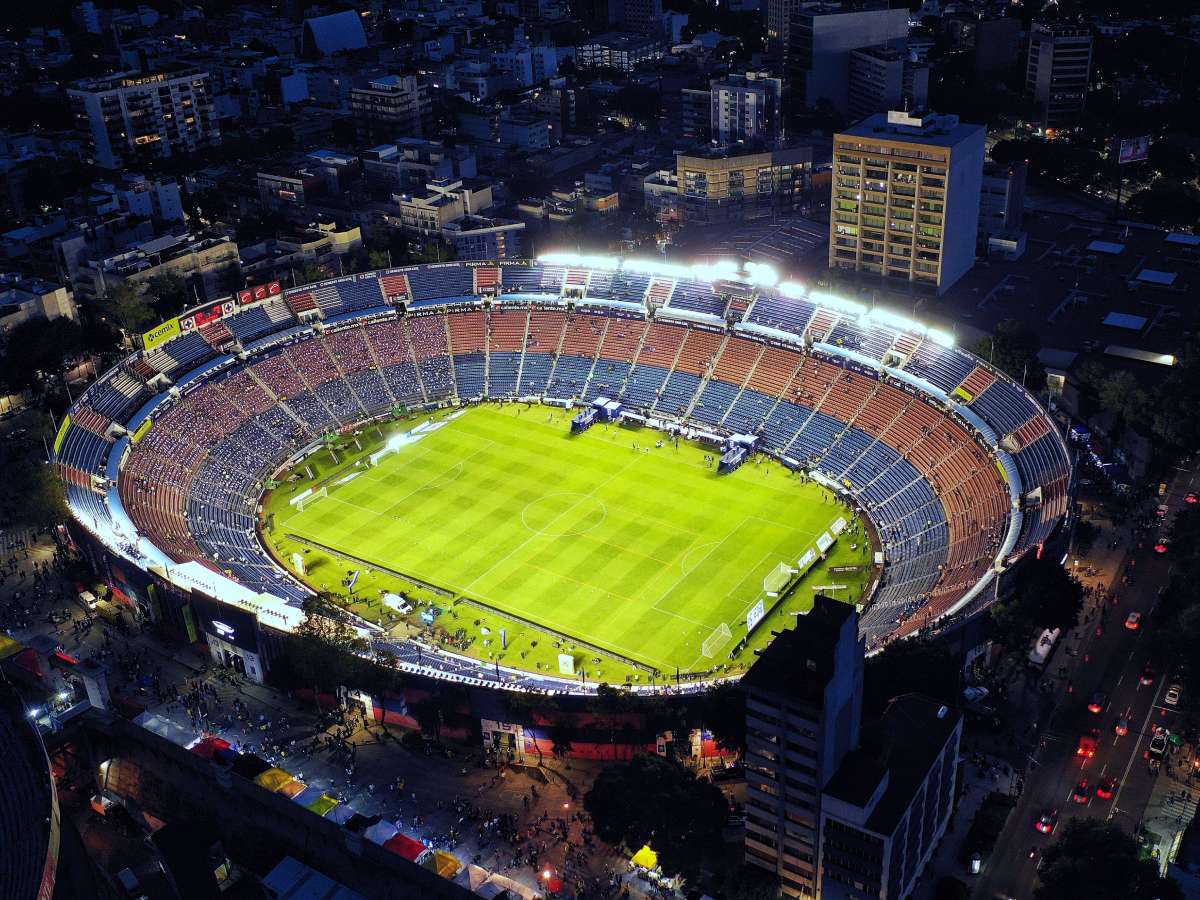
(905, 204)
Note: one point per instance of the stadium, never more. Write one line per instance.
(549, 473)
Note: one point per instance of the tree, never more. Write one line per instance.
(1161, 205)
(1013, 348)
(37, 347)
(1172, 160)
(168, 292)
(1121, 395)
(723, 712)
(651, 800)
(326, 652)
(611, 704)
(1099, 861)
(1044, 595)
(131, 311)
(561, 733)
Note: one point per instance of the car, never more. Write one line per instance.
(1121, 728)
(1098, 702)
(1158, 744)
(1082, 793)
(1106, 787)
(1133, 621)
(1087, 744)
(1162, 547)
(1172, 695)
(1147, 676)
(1047, 821)
(1190, 497)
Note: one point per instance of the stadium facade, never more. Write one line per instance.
(165, 457)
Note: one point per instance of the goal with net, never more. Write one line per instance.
(305, 502)
(776, 580)
(721, 635)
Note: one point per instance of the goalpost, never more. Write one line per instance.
(721, 635)
(303, 502)
(777, 579)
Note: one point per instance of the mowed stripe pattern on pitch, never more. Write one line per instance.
(642, 553)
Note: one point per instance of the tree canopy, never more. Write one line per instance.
(1094, 860)
(1013, 348)
(35, 347)
(651, 800)
(1044, 596)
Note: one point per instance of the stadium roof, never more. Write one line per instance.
(325, 35)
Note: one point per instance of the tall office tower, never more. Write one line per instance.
(1057, 72)
(128, 117)
(883, 79)
(746, 109)
(821, 39)
(906, 188)
(803, 712)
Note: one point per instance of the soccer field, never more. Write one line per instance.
(641, 552)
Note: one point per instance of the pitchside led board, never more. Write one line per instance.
(757, 611)
(1133, 149)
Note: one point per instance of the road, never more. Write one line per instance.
(1112, 659)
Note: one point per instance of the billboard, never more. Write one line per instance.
(1133, 149)
(259, 292)
(755, 615)
(160, 334)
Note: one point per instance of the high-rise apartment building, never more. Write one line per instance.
(1001, 198)
(803, 712)
(128, 118)
(718, 187)
(889, 803)
(883, 78)
(1057, 72)
(839, 808)
(745, 109)
(820, 40)
(391, 107)
(906, 190)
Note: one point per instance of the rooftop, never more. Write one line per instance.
(915, 127)
(801, 659)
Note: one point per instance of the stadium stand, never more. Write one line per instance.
(951, 503)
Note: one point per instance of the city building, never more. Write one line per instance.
(1001, 198)
(746, 109)
(1057, 72)
(478, 237)
(716, 187)
(442, 202)
(695, 113)
(141, 196)
(883, 78)
(803, 715)
(906, 189)
(639, 16)
(525, 129)
(821, 39)
(391, 107)
(128, 117)
(23, 299)
(997, 48)
(889, 803)
(620, 51)
(411, 162)
(208, 263)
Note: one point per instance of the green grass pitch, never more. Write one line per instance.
(641, 552)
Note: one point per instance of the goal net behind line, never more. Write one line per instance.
(777, 579)
(721, 635)
(311, 498)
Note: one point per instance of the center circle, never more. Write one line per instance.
(563, 514)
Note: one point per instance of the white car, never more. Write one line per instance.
(1172, 695)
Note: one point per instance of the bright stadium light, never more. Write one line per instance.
(945, 338)
(847, 306)
(762, 274)
(793, 289)
(883, 317)
(582, 260)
